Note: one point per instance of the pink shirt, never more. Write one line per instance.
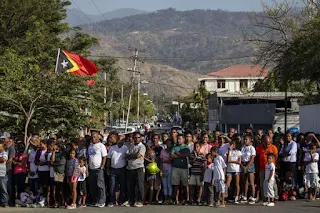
(20, 169)
(164, 155)
(205, 149)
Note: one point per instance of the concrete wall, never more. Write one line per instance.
(232, 85)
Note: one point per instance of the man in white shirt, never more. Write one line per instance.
(97, 154)
(116, 168)
(136, 170)
(4, 197)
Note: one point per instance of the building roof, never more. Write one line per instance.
(240, 71)
(259, 95)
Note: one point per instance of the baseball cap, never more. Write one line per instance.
(5, 135)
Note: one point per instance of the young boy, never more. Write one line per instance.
(27, 198)
(219, 172)
(268, 189)
(311, 160)
(208, 192)
(197, 161)
(3, 177)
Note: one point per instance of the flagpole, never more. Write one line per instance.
(57, 61)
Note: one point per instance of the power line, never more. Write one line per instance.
(171, 85)
(98, 10)
(82, 11)
(176, 58)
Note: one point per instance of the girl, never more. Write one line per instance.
(166, 171)
(73, 176)
(233, 169)
(149, 158)
(58, 162)
(20, 168)
(248, 153)
(82, 187)
(268, 187)
(33, 168)
(43, 167)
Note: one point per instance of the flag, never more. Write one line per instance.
(91, 82)
(75, 64)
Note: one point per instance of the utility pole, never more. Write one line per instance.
(105, 97)
(135, 59)
(138, 104)
(122, 103)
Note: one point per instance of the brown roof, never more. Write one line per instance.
(241, 71)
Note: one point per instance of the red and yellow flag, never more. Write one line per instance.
(75, 64)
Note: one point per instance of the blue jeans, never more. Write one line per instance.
(4, 197)
(166, 182)
(118, 177)
(97, 186)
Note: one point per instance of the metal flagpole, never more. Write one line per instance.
(57, 61)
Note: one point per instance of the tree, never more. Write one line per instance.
(35, 100)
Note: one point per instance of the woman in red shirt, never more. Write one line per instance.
(20, 167)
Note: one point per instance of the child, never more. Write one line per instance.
(151, 178)
(208, 192)
(197, 161)
(33, 170)
(73, 176)
(233, 169)
(311, 160)
(268, 189)
(219, 171)
(82, 187)
(27, 198)
(4, 197)
(40, 198)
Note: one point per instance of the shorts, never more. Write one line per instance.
(312, 180)
(231, 174)
(73, 180)
(195, 180)
(82, 188)
(44, 178)
(179, 176)
(251, 168)
(268, 189)
(220, 186)
(156, 182)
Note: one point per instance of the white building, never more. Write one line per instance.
(234, 79)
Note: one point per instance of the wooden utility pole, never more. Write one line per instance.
(135, 59)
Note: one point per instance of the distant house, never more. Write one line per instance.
(234, 78)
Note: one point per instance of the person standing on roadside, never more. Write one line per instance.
(116, 168)
(3, 177)
(97, 155)
(136, 171)
(10, 150)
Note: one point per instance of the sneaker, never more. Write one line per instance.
(72, 206)
(126, 204)
(138, 204)
(265, 203)
(270, 204)
(101, 205)
(83, 206)
(244, 200)
(110, 205)
(236, 200)
(252, 200)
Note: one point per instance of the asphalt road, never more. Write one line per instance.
(281, 207)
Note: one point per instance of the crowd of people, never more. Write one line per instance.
(191, 168)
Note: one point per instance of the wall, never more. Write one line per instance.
(309, 118)
(232, 85)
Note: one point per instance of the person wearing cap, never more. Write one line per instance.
(10, 150)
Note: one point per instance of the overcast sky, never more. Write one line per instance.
(152, 5)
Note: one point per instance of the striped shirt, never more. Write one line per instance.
(197, 163)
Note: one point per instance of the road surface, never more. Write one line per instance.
(281, 207)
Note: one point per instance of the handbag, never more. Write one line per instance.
(58, 177)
